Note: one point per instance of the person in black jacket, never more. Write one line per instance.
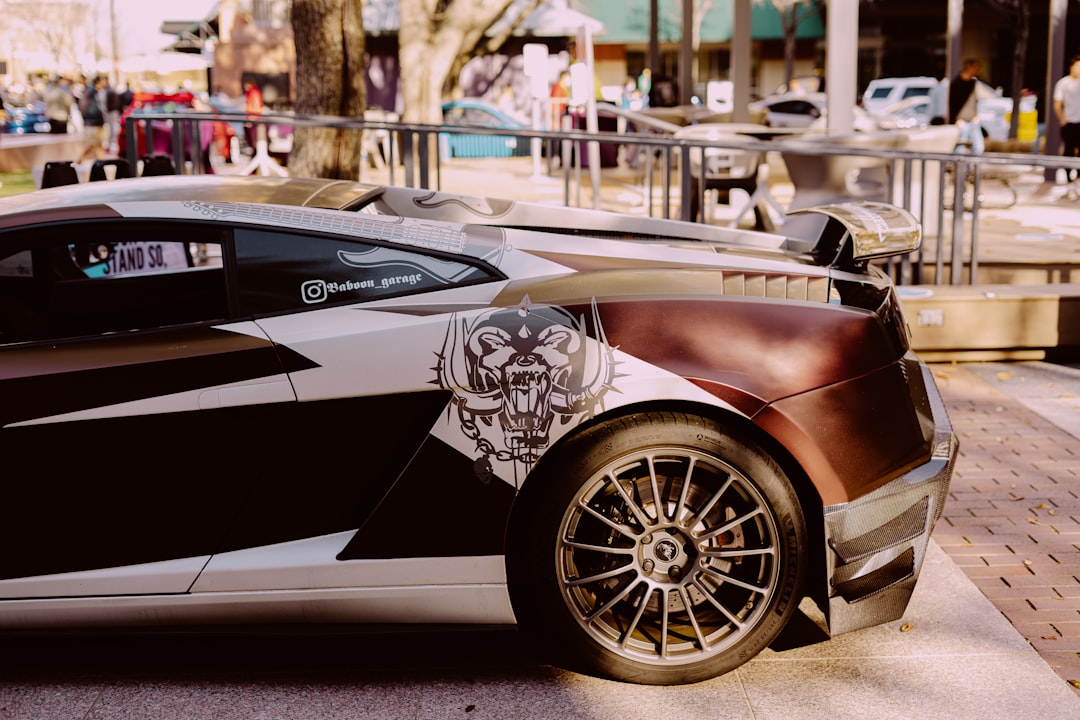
(93, 111)
(963, 106)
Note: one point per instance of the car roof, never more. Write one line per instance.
(818, 98)
(894, 81)
(305, 192)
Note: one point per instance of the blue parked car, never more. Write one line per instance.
(21, 119)
(471, 112)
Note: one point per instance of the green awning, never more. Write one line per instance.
(626, 22)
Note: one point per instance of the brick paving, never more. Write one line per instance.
(1012, 520)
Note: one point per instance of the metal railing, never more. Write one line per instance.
(944, 190)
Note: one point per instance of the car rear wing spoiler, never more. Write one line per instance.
(857, 232)
(838, 235)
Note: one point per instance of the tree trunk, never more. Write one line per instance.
(330, 80)
(434, 38)
(790, 20)
(1019, 60)
(426, 52)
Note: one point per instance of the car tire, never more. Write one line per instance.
(608, 585)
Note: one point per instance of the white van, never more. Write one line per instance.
(886, 91)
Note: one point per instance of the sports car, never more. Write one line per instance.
(232, 400)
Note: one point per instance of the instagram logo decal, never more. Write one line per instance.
(317, 291)
(314, 291)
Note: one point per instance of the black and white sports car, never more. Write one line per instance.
(266, 400)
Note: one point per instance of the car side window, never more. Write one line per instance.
(79, 279)
(285, 271)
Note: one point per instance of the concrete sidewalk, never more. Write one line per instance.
(1012, 522)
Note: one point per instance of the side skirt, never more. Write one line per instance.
(486, 604)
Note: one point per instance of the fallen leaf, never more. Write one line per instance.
(1048, 637)
(1041, 505)
(1033, 521)
(1004, 375)
(906, 627)
(1051, 512)
(1027, 563)
(1075, 683)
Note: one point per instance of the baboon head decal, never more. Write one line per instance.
(516, 371)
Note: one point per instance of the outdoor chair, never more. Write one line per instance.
(823, 179)
(59, 172)
(98, 171)
(725, 169)
(157, 165)
(376, 151)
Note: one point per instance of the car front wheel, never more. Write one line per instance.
(658, 548)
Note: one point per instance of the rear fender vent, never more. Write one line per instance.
(783, 287)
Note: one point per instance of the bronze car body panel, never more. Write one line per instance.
(733, 343)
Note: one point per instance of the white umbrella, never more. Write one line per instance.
(163, 63)
(554, 19)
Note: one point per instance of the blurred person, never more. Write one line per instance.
(560, 99)
(253, 105)
(206, 131)
(127, 96)
(253, 98)
(58, 100)
(631, 95)
(78, 91)
(963, 106)
(109, 100)
(644, 85)
(1067, 109)
(94, 124)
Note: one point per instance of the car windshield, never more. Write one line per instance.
(916, 91)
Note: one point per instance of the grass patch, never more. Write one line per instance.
(15, 183)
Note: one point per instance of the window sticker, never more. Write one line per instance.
(520, 374)
(385, 271)
(380, 259)
(134, 258)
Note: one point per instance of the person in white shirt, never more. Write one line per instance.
(1067, 109)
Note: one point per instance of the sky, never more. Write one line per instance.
(139, 21)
